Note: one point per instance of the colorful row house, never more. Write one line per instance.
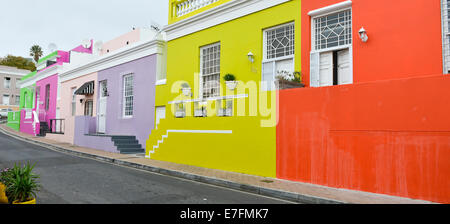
(375, 118)
(332, 92)
(107, 101)
(218, 123)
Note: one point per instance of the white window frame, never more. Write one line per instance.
(333, 9)
(7, 83)
(445, 36)
(8, 97)
(265, 60)
(124, 97)
(201, 69)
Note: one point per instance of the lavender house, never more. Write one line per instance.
(123, 82)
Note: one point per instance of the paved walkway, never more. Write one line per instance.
(293, 191)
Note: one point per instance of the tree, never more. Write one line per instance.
(36, 52)
(18, 62)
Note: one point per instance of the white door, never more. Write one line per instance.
(344, 67)
(160, 114)
(101, 117)
(326, 69)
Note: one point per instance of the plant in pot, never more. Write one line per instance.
(289, 80)
(21, 184)
(230, 81)
(186, 89)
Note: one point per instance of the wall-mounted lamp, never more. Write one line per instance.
(251, 57)
(363, 35)
(81, 100)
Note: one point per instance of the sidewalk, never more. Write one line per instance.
(288, 190)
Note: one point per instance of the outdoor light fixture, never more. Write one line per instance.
(363, 35)
(251, 57)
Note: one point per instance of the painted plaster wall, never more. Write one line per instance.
(53, 82)
(250, 148)
(121, 41)
(388, 137)
(144, 75)
(404, 38)
(65, 105)
(82, 125)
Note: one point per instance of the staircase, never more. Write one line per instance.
(43, 129)
(127, 144)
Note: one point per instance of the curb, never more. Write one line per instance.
(268, 192)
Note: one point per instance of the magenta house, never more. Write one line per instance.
(42, 118)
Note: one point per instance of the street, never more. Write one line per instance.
(67, 179)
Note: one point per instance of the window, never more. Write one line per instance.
(88, 108)
(74, 101)
(47, 97)
(7, 83)
(278, 55)
(160, 114)
(331, 56)
(17, 84)
(5, 99)
(17, 100)
(128, 95)
(446, 35)
(333, 30)
(210, 71)
(25, 99)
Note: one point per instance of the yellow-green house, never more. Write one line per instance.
(203, 120)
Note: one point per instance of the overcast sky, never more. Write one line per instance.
(67, 23)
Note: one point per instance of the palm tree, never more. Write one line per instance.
(36, 52)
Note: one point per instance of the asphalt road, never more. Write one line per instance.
(68, 179)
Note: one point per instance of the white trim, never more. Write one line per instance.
(124, 77)
(218, 15)
(330, 8)
(40, 76)
(161, 82)
(126, 54)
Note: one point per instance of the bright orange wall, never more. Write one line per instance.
(389, 137)
(404, 38)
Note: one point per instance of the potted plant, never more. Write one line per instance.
(21, 184)
(230, 81)
(4, 176)
(186, 89)
(200, 109)
(289, 80)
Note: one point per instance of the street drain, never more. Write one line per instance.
(267, 181)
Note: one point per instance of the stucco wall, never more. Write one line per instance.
(389, 137)
(142, 122)
(65, 105)
(404, 38)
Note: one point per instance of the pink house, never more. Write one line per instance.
(42, 119)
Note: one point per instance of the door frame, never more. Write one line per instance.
(102, 98)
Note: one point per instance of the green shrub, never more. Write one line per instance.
(229, 77)
(21, 183)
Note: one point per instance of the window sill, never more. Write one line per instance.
(161, 82)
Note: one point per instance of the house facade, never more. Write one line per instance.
(10, 93)
(200, 120)
(107, 101)
(372, 119)
(9, 88)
